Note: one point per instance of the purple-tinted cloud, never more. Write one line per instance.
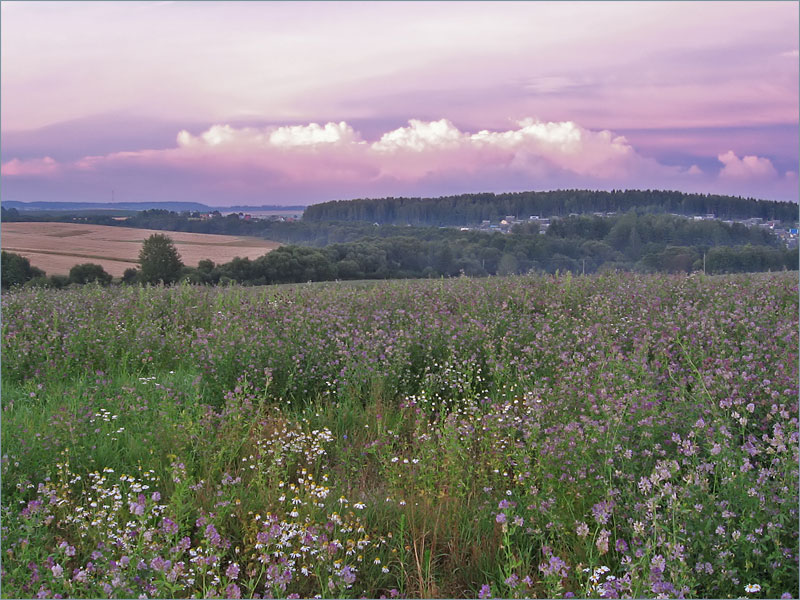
(747, 167)
(535, 95)
(316, 162)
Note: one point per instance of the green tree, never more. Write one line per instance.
(16, 270)
(89, 272)
(130, 275)
(159, 260)
(507, 265)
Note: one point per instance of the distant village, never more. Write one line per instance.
(788, 235)
(283, 217)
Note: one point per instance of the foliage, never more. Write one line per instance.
(470, 209)
(130, 275)
(578, 244)
(159, 260)
(88, 273)
(604, 436)
(16, 270)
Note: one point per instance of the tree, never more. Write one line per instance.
(507, 265)
(130, 275)
(159, 260)
(16, 270)
(89, 272)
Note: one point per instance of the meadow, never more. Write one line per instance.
(57, 247)
(609, 436)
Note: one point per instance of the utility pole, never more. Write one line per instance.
(704, 263)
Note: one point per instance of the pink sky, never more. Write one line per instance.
(294, 103)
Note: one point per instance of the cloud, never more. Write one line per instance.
(421, 149)
(419, 136)
(748, 167)
(313, 134)
(33, 167)
(313, 162)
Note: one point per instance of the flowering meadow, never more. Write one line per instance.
(608, 436)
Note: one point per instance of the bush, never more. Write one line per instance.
(88, 273)
(130, 276)
(16, 270)
(59, 281)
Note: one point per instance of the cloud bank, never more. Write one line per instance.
(747, 167)
(322, 161)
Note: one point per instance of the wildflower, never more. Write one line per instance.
(232, 572)
(486, 592)
(348, 575)
(752, 588)
(169, 526)
(582, 530)
(57, 570)
(658, 563)
(602, 511)
(500, 518)
(602, 541)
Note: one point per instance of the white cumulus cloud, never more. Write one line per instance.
(423, 155)
(313, 134)
(747, 167)
(420, 135)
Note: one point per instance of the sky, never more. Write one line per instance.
(289, 103)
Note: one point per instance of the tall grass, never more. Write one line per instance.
(603, 436)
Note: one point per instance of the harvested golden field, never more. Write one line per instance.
(57, 247)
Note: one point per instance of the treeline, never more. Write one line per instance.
(470, 209)
(581, 244)
(285, 232)
(16, 270)
(578, 244)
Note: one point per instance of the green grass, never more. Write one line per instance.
(434, 437)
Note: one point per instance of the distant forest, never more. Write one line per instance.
(470, 209)
(578, 244)
(581, 244)
(413, 237)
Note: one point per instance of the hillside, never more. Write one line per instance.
(470, 209)
(57, 247)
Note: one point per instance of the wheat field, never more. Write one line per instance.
(57, 247)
